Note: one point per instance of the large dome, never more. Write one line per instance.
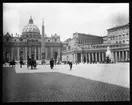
(30, 29)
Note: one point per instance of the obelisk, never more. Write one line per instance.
(43, 43)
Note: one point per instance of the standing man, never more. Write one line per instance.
(70, 64)
(51, 63)
(28, 62)
(21, 63)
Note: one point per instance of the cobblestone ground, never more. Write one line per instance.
(57, 87)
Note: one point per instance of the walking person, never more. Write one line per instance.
(70, 64)
(28, 62)
(21, 63)
(13, 63)
(51, 63)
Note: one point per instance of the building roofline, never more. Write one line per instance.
(118, 26)
(104, 36)
(87, 34)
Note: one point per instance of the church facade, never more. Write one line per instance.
(32, 44)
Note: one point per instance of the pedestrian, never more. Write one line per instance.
(70, 64)
(13, 62)
(32, 63)
(28, 62)
(21, 63)
(51, 63)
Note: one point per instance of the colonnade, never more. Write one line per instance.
(121, 55)
(100, 56)
(26, 52)
(33, 51)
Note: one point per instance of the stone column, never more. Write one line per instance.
(23, 53)
(51, 52)
(18, 54)
(23, 49)
(123, 55)
(26, 53)
(12, 53)
(39, 53)
(35, 53)
(29, 52)
(102, 56)
(112, 58)
(92, 57)
(74, 58)
(89, 57)
(86, 57)
(96, 56)
(116, 56)
(59, 53)
(119, 56)
(99, 57)
(126, 55)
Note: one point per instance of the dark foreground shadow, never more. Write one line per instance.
(54, 87)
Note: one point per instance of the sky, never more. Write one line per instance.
(65, 18)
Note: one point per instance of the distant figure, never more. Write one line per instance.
(28, 62)
(51, 63)
(70, 64)
(12, 63)
(21, 63)
(33, 64)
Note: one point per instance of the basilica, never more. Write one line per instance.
(81, 48)
(31, 44)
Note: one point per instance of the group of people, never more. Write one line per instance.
(30, 63)
(52, 63)
(33, 64)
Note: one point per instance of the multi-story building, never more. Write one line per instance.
(81, 38)
(83, 48)
(31, 44)
(79, 41)
(119, 34)
(105, 39)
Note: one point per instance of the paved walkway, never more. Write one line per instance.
(44, 85)
(117, 74)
